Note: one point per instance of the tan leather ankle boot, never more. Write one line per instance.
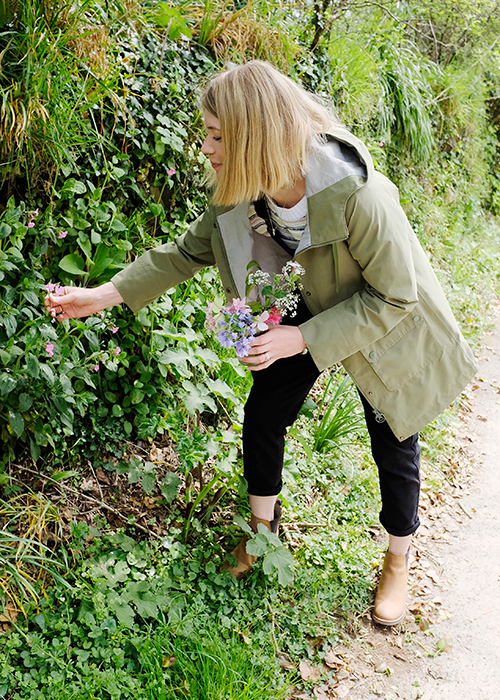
(390, 601)
(245, 560)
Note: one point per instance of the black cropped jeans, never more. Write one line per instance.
(274, 402)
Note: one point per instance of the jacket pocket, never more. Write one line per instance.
(403, 352)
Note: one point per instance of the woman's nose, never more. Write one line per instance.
(206, 148)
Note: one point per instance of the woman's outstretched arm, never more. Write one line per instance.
(75, 302)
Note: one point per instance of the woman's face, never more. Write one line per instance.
(212, 146)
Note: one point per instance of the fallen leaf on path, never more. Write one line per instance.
(444, 614)
(332, 660)
(309, 673)
(321, 692)
(342, 691)
(444, 644)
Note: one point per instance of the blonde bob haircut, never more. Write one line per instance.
(268, 126)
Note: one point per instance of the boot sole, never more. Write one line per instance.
(388, 623)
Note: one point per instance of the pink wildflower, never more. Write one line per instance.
(50, 287)
(63, 234)
(381, 144)
(49, 349)
(96, 368)
(237, 305)
(101, 314)
(36, 212)
(274, 317)
(31, 224)
(59, 290)
(210, 322)
(171, 171)
(117, 351)
(115, 329)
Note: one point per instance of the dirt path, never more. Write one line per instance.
(471, 562)
(449, 646)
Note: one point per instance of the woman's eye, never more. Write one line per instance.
(217, 138)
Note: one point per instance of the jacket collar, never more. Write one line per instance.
(337, 167)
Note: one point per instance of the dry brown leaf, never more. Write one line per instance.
(309, 673)
(332, 660)
(168, 661)
(424, 624)
(150, 502)
(432, 574)
(285, 661)
(9, 614)
(342, 691)
(321, 692)
(444, 614)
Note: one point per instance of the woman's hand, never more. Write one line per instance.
(75, 302)
(277, 342)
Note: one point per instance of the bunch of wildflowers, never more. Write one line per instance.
(236, 324)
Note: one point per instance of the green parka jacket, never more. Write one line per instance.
(377, 305)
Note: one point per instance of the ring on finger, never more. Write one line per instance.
(267, 357)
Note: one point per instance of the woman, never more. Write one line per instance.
(291, 183)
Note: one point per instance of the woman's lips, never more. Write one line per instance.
(216, 166)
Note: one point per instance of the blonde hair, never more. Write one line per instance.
(268, 126)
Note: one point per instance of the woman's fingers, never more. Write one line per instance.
(276, 343)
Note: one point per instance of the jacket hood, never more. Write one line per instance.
(340, 155)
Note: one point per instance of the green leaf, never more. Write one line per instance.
(118, 226)
(136, 396)
(281, 561)
(196, 398)
(74, 264)
(238, 520)
(16, 422)
(48, 374)
(33, 366)
(7, 384)
(218, 386)
(72, 185)
(25, 402)
(146, 605)
(148, 482)
(31, 297)
(123, 612)
(258, 545)
(117, 410)
(170, 486)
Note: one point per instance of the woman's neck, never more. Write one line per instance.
(288, 197)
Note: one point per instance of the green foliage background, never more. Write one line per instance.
(99, 145)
